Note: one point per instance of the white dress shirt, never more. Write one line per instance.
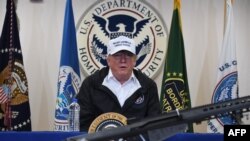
(122, 91)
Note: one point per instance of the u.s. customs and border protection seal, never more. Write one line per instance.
(108, 19)
(107, 121)
(225, 90)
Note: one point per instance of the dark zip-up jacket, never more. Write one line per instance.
(96, 99)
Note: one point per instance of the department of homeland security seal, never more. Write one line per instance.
(108, 19)
(68, 86)
(107, 121)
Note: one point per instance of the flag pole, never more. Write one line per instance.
(14, 80)
(8, 112)
(225, 14)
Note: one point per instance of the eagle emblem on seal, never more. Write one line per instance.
(120, 25)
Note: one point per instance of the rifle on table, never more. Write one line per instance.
(175, 119)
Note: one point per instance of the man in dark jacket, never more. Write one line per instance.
(118, 88)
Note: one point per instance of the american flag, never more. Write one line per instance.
(4, 93)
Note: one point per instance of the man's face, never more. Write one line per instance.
(122, 64)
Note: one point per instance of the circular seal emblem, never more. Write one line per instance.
(68, 86)
(108, 19)
(18, 93)
(222, 92)
(19, 84)
(107, 121)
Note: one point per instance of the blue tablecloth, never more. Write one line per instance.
(60, 136)
(196, 137)
(36, 136)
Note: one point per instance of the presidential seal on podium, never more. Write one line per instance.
(107, 121)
